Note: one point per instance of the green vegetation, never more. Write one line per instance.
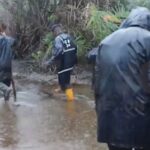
(88, 22)
(45, 49)
(95, 26)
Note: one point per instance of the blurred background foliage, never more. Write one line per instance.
(88, 21)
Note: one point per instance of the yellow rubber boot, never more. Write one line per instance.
(69, 94)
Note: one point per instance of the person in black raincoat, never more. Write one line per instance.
(6, 44)
(122, 86)
(64, 53)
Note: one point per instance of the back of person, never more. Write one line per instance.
(5, 59)
(68, 56)
(121, 90)
(5, 65)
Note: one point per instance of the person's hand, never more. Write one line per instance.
(45, 65)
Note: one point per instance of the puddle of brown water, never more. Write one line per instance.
(52, 124)
(81, 92)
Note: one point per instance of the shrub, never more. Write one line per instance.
(101, 23)
(94, 25)
(45, 50)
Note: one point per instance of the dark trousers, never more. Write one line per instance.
(64, 79)
(7, 82)
(117, 148)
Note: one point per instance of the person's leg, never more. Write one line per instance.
(117, 148)
(61, 80)
(68, 88)
(5, 91)
(3, 87)
(64, 80)
(67, 79)
(1, 94)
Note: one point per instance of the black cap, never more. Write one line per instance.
(55, 26)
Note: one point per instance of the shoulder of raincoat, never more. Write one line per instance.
(122, 84)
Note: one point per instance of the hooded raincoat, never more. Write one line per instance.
(6, 44)
(122, 83)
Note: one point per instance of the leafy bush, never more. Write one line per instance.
(97, 25)
(88, 23)
(93, 25)
(46, 48)
(83, 46)
(101, 23)
(31, 19)
(120, 12)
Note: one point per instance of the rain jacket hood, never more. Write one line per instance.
(139, 17)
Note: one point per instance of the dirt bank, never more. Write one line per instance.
(30, 70)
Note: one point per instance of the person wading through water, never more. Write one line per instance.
(64, 53)
(122, 85)
(5, 63)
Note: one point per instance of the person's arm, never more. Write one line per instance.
(56, 51)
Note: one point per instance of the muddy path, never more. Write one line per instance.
(43, 120)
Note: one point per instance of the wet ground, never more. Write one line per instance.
(43, 120)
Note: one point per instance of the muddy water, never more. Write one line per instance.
(44, 120)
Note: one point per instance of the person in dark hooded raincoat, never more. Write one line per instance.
(6, 44)
(122, 86)
(64, 53)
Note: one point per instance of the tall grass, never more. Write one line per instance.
(95, 26)
(101, 23)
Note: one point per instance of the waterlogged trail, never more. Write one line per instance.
(44, 120)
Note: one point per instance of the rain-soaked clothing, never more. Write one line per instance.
(122, 89)
(6, 44)
(64, 51)
(6, 59)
